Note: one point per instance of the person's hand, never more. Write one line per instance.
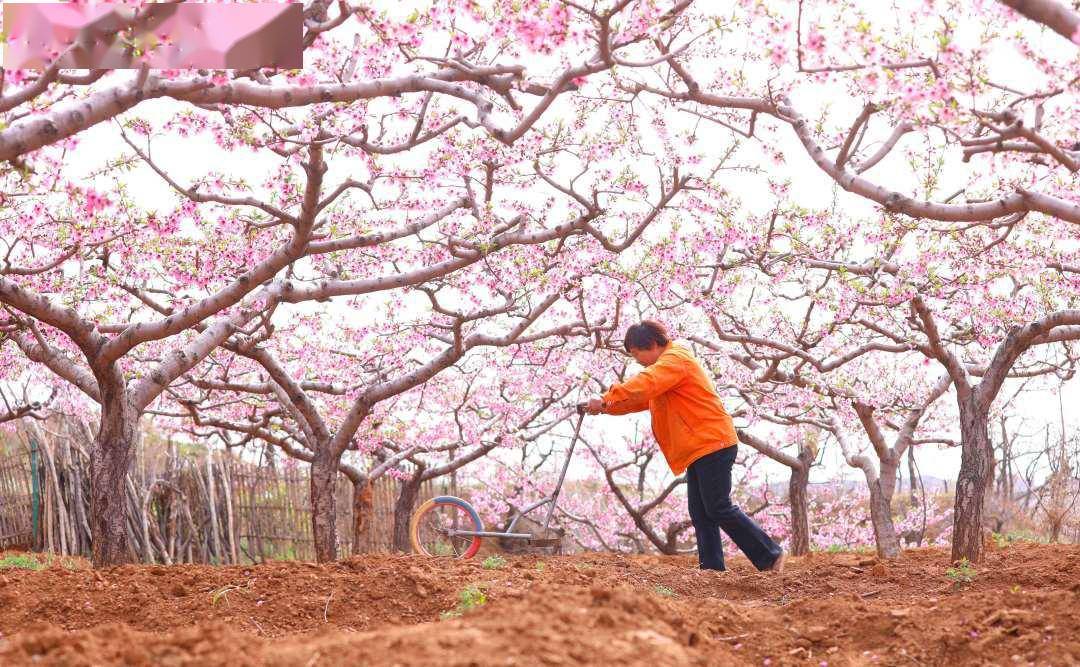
(595, 406)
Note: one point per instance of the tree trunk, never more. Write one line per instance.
(110, 460)
(362, 505)
(800, 516)
(403, 509)
(888, 544)
(1055, 523)
(888, 468)
(976, 475)
(324, 469)
(912, 498)
(1002, 484)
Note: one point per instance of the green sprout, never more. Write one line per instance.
(962, 574)
(20, 561)
(469, 597)
(494, 563)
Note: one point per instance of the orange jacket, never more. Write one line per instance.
(688, 419)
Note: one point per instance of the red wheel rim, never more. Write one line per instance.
(430, 535)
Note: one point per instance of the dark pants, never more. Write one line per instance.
(708, 490)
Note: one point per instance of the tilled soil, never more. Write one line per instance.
(1022, 607)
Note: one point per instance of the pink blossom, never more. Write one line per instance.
(93, 202)
(544, 32)
(460, 41)
(16, 76)
(778, 54)
(912, 93)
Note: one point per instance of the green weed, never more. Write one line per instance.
(664, 591)
(844, 549)
(21, 561)
(494, 563)
(1013, 537)
(962, 573)
(469, 597)
(443, 549)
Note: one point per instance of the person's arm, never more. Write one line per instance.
(624, 407)
(635, 394)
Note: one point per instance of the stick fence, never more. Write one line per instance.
(183, 506)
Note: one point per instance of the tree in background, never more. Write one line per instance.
(964, 255)
(919, 80)
(242, 247)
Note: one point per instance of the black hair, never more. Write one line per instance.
(642, 336)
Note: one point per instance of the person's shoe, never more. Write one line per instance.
(778, 564)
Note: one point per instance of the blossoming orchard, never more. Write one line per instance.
(542, 332)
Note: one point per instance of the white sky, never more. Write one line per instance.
(188, 158)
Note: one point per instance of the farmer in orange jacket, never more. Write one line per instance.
(696, 435)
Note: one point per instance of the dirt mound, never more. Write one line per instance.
(271, 599)
(549, 625)
(1022, 606)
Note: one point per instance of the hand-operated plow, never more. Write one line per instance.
(449, 526)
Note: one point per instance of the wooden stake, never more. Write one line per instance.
(229, 509)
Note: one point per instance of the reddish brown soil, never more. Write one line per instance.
(1023, 607)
